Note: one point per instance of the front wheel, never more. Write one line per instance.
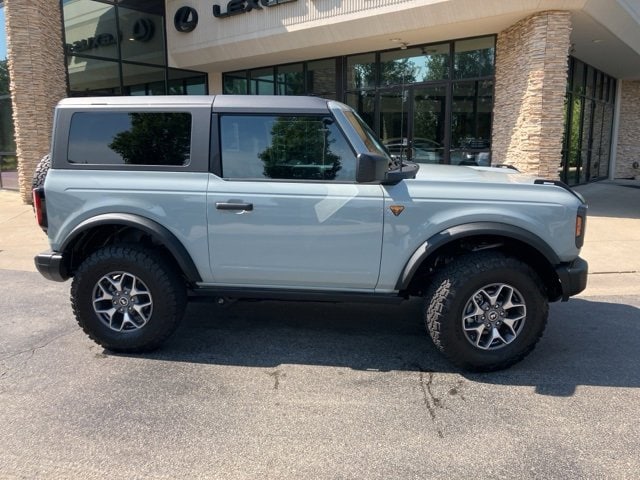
(486, 311)
(127, 298)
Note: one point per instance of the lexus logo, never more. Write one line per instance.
(185, 19)
(143, 30)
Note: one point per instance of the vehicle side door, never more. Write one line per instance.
(285, 210)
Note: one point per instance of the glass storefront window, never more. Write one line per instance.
(262, 82)
(471, 122)
(361, 71)
(588, 124)
(577, 83)
(408, 96)
(142, 80)
(414, 65)
(90, 28)
(89, 76)
(321, 77)
(474, 57)
(8, 159)
(364, 103)
(290, 80)
(142, 36)
(118, 48)
(185, 82)
(235, 83)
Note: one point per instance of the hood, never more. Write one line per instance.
(463, 173)
(504, 179)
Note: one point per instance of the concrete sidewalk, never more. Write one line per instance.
(612, 245)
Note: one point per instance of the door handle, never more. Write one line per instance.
(247, 207)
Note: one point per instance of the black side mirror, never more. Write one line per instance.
(371, 168)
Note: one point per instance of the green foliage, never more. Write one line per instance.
(155, 139)
(300, 148)
(4, 77)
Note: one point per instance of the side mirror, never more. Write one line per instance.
(371, 168)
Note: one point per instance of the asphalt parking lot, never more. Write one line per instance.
(323, 391)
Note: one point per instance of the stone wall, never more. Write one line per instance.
(38, 82)
(531, 78)
(628, 151)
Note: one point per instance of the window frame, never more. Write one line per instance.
(216, 157)
(199, 149)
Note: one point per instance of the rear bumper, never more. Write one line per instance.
(573, 277)
(51, 266)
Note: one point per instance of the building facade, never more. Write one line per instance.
(551, 87)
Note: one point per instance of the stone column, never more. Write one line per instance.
(531, 78)
(38, 81)
(628, 150)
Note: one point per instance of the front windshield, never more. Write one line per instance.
(369, 138)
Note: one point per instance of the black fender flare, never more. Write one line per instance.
(155, 230)
(471, 230)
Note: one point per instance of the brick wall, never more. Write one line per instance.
(36, 66)
(531, 78)
(628, 150)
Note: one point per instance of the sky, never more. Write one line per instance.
(3, 39)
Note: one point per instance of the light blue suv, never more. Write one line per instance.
(151, 201)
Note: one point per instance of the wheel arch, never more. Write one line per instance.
(469, 237)
(103, 229)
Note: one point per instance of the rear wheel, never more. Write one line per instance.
(486, 311)
(128, 299)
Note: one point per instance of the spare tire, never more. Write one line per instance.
(41, 171)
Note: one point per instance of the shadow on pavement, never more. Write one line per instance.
(587, 343)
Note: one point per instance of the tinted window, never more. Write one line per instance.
(285, 147)
(134, 138)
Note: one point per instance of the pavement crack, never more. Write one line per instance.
(277, 375)
(431, 402)
(31, 352)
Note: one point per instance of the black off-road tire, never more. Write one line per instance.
(451, 290)
(41, 171)
(160, 278)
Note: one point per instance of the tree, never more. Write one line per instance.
(4, 77)
(155, 139)
(300, 148)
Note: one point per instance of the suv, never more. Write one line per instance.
(152, 201)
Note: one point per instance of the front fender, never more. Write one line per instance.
(471, 230)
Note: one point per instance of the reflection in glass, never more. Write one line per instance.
(597, 147)
(577, 84)
(142, 80)
(363, 102)
(399, 67)
(607, 125)
(321, 78)
(290, 80)
(142, 36)
(262, 82)
(90, 28)
(295, 148)
(235, 83)
(394, 121)
(185, 82)
(117, 138)
(427, 144)
(7, 141)
(474, 57)
(361, 71)
(471, 122)
(89, 76)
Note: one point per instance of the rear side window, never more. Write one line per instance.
(285, 147)
(130, 138)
